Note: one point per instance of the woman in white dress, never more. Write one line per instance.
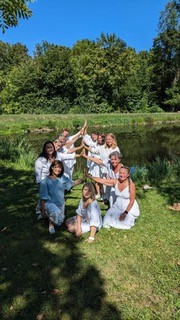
(88, 218)
(68, 155)
(103, 152)
(125, 210)
(94, 168)
(107, 148)
(113, 165)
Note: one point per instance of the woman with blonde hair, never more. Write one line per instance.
(103, 152)
(88, 216)
(125, 210)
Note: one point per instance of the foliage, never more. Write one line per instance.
(139, 174)
(99, 76)
(18, 151)
(173, 96)
(12, 11)
(165, 56)
(176, 164)
(157, 171)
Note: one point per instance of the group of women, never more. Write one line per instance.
(111, 183)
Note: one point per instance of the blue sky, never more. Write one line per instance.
(64, 22)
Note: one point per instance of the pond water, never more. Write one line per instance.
(138, 144)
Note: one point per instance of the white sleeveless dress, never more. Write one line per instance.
(111, 218)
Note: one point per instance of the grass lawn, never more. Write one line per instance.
(20, 123)
(122, 275)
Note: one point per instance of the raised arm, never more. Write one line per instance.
(106, 182)
(95, 160)
(76, 136)
(69, 143)
(77, 182)
(71, 150)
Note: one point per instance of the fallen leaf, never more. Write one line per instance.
(44, 292)
(39, 316)
(4, 269)
(4, 229)
(55, 291)
(35, 264)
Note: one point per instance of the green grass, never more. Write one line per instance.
(122, 275)
(29, 122)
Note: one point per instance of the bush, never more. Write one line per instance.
(159, 170)
(18, 151)
(139, 174)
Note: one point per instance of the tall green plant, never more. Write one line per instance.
(18, 151)
(158, 170)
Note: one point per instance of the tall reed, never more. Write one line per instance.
(18, 151)
(159, 170)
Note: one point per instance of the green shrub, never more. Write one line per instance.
(159, 170)
(18, 151)
(139, 174)
(176, 165)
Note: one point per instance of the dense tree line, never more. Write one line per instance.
(94, 76)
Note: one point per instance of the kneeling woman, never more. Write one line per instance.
(52, 194)
(125, 210)
(88, 216)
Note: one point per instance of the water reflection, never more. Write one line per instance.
(138, 144)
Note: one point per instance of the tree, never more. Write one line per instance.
(13, 10)
(166, 55)
(43, 84)
(11, 55)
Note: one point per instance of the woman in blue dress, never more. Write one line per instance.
(52, 194)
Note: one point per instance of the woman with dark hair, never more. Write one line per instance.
(52, 194)
(46, 157)
(43, 162)
(88, 218)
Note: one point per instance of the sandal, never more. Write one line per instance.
(51, 230)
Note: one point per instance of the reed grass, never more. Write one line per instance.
(19, 151)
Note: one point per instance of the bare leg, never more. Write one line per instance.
(51, 227)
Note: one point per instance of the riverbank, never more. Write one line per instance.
(23, 123)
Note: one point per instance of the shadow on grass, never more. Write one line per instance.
(43, 275)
